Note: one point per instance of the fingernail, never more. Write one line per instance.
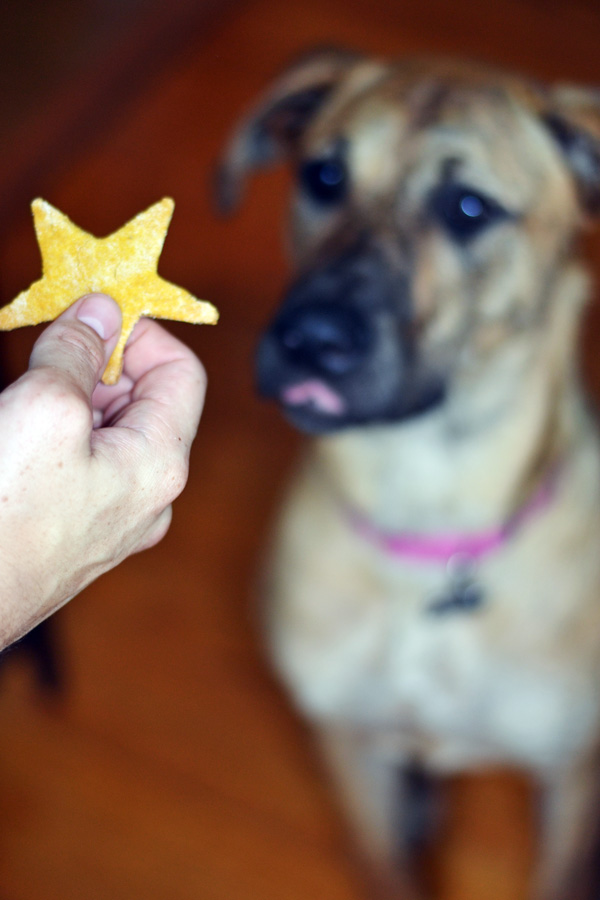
(101, 313)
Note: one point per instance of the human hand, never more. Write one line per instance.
(88, 472)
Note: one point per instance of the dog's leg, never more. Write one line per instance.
(570, 841)
(418, 810)
(386, 806)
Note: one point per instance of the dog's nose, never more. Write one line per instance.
(324, 337)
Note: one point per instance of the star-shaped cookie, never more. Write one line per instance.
(124, 265)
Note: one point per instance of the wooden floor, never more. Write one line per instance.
(170, 767)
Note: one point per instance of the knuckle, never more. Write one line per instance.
(198, 371)
(174, 479)
(157, 531)
(168, 478)
(167, 455)
(199, 378)
(180, 476)
(156, 477)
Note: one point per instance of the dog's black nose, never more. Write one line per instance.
(324, 337)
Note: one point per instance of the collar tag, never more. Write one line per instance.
(463, 594)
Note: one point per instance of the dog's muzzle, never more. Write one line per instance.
(341, 352)
(325, 338)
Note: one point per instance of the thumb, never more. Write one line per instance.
(79, 343)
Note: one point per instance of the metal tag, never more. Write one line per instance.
(463, 594)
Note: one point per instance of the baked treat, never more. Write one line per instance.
(124, 265)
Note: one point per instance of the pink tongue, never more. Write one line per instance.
(316, 394)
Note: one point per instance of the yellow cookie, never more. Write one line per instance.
(124, 265)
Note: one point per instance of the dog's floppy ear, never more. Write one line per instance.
(272, 129)
(573, 119)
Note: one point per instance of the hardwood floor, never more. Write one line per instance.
(170, 767)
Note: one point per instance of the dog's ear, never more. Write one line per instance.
(573, 118)
(273, 128)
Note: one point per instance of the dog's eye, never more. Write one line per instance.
(324, 180)
(464, 212)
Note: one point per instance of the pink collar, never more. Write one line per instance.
(441, 548)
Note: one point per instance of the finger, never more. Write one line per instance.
(105, 394)
(107, 416)
(109, 399)
(169, 384)
(79, 343)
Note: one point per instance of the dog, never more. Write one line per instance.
(433, 600)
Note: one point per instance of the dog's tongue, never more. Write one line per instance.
(316, 394)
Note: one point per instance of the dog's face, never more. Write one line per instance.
(434, 206)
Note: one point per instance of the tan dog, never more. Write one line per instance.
(435, 589)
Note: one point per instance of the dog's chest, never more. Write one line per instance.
(460, 696)
(470, 682)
